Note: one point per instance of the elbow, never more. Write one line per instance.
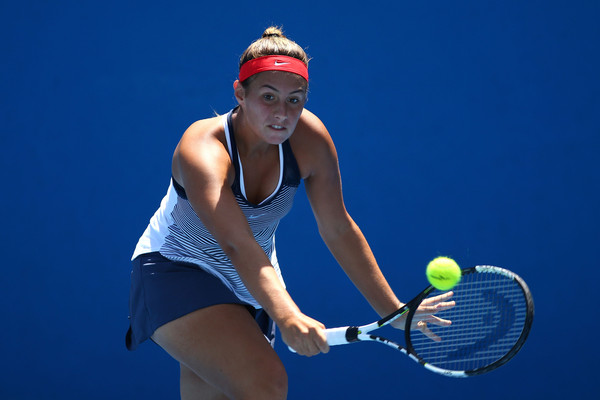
(330, 233)
(237, 247)
(229, 248)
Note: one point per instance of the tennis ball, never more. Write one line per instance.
(443, 273)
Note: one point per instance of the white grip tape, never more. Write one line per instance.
(335, 336)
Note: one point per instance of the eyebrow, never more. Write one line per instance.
(276, 90)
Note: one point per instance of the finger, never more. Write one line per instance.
(304, 347)
(445, 305)
(439, 298)
(322, 344)
(323, 347)
(422, 326)
(438, 321)
(308, 350)
(425, 309)
(315, 343)
(317, 339)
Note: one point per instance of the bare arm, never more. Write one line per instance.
(339, 231)
(202, 165)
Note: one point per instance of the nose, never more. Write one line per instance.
(280, 111)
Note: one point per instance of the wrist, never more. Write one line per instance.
(281, 308)
(393, 307)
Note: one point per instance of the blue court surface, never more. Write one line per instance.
(464, 128)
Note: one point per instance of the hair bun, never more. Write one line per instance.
(272, 31)
(273, 43)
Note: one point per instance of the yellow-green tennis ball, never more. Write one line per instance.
(443, 273)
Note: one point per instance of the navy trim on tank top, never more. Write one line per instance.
(179, 189)
(291, 171)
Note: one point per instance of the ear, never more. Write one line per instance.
(239, 92)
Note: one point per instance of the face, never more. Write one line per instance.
(272, 104)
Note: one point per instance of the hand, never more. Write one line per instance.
(304, 334)
(426, 314)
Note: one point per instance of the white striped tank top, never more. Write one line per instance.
(179, 235)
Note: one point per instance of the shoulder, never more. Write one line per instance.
(204, 130)
(311, 126)
(312, 144)
(202, 146)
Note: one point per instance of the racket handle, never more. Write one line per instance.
(335, 336)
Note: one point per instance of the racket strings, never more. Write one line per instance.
(487, 321)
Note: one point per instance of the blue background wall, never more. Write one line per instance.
(464, 128)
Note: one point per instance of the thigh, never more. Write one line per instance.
(192, 387)
(224, 346)
(163, 290)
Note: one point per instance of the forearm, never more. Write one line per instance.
(262, 281)
(298, 331)
(353, 253)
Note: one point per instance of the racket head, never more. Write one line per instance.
(490, 323)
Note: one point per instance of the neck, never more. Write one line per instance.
(247, 142)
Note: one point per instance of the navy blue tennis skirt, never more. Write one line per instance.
(163, 290)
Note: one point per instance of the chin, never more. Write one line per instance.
(277, 141)
(278, 137)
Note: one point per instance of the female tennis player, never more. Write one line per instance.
(206, 285)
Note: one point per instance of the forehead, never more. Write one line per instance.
(279, 80)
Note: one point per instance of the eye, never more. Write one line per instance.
(268, 97)
(296, 100)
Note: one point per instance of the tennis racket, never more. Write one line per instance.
(490, 320)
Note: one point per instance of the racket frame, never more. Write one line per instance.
(480, 269)
(352, 334)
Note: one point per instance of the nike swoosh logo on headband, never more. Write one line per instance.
(278, 63)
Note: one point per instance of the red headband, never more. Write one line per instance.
(273, 63)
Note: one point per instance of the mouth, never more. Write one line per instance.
(277, 127)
